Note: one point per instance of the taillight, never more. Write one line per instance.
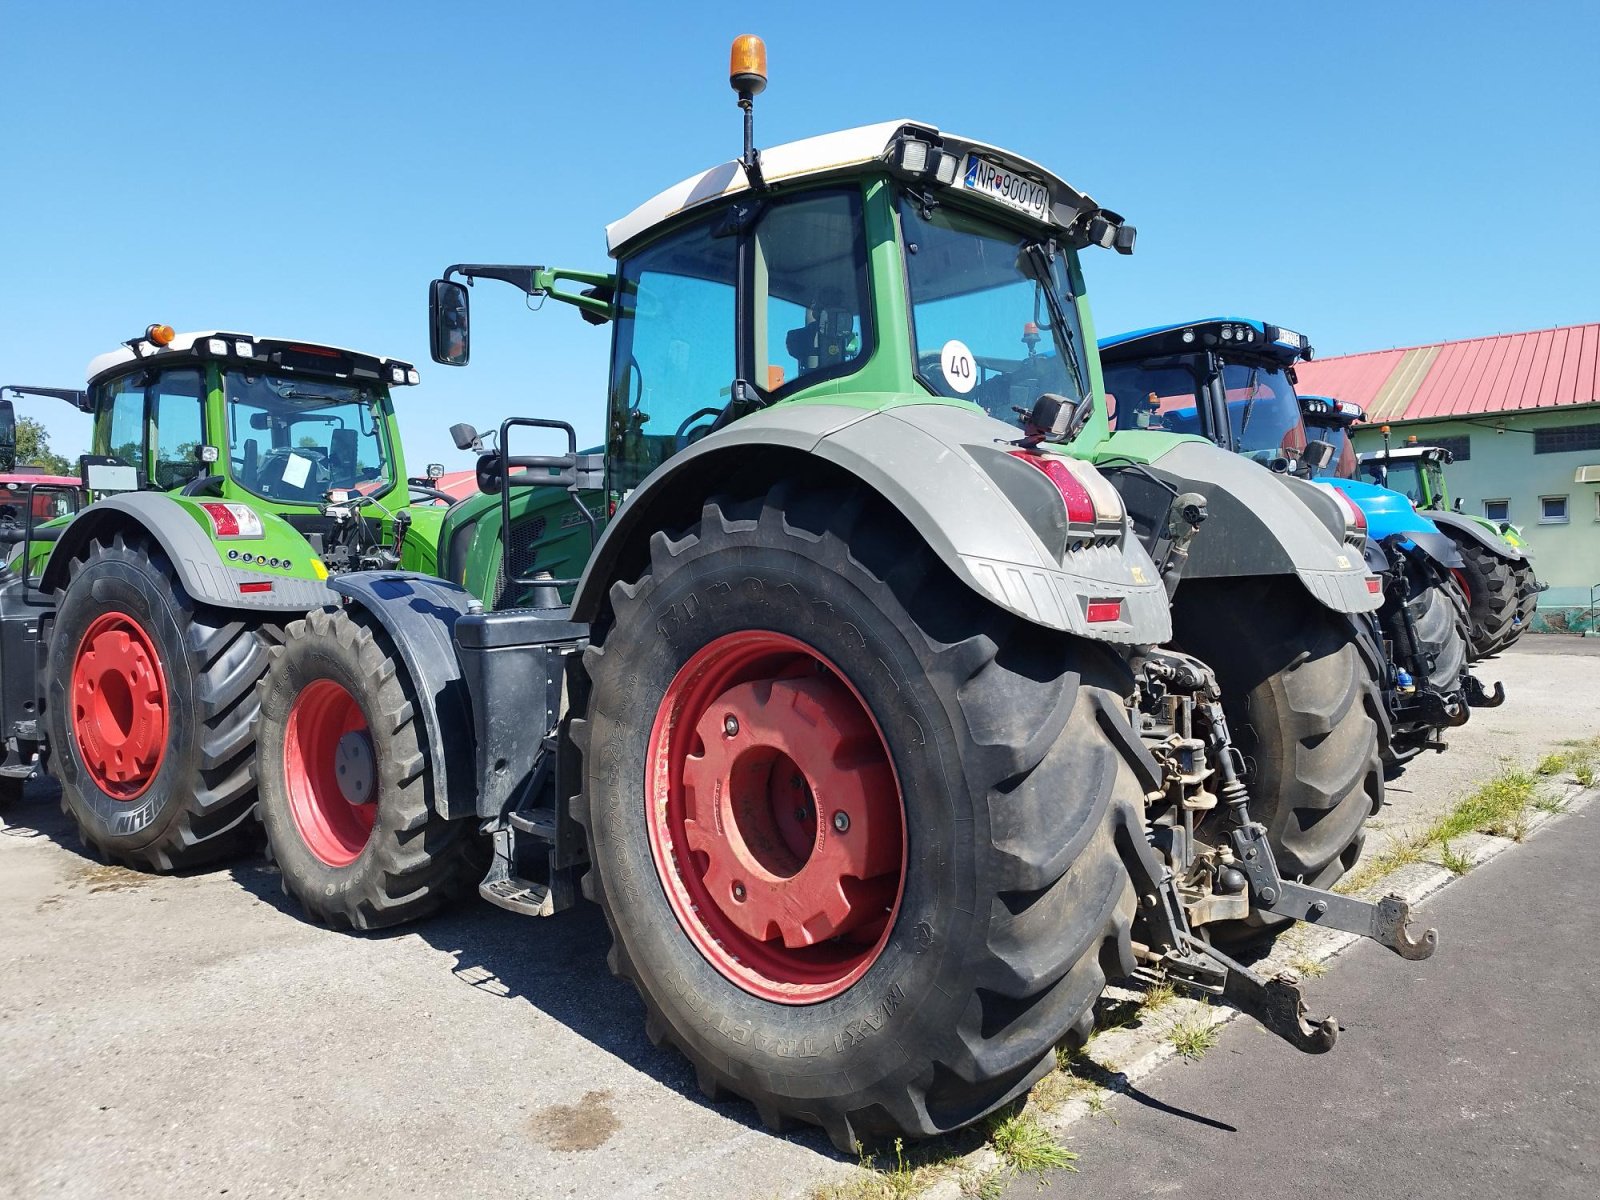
(1355, 521)
(1099, 611)
(230, 521)
(1080, 505)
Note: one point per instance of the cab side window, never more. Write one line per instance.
(176, 401)
(126, 438)
(812, 300)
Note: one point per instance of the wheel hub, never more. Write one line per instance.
(119, 706)
(355, 767)
(775, 817)
(330, 773)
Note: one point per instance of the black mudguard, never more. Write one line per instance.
(419, 614)
(1460, 529)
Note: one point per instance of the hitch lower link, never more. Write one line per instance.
(1277, 1003)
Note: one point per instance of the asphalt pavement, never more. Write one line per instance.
(1474, 1073)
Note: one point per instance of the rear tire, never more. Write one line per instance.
(1012, 905)
(1492, 599)
(339, 722)
(152, 710)
(1304, 710)
(1439, 612)
(1527, 585)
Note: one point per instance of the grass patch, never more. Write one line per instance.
(1158, 995)
(1307, 968)
(1454, 861)
(1192, 1039)
(906, 1176)
(1499, 808)
(1026, 1146)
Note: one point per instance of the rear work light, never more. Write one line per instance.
(233, 521)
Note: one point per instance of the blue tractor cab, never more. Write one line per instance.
(1232, 380)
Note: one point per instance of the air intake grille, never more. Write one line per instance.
(525, 535)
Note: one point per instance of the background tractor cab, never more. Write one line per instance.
(1330, 420)
(1231, 380)
(29, 497)
(1498, 574)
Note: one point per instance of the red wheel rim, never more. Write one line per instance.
(775, 817)
(330, 773)
(119, 706)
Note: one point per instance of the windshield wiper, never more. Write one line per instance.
(1058, 315)
(1249, 402)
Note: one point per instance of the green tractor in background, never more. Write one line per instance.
(231, 476)
(860, 723)
(1502, 590)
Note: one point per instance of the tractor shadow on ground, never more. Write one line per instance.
(556, 965)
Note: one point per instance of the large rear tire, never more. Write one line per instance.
(152, 710)
(345, 783)
(1304, 710)
(1492, 598)
(1527, 585)
(1439, 613)
(922, 983)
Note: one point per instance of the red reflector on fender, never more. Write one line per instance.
(255, 587)
(1373, 585)
(1100, 611)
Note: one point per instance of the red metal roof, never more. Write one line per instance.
(1547, 368)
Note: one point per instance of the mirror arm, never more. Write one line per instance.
(73, 396)
(539, 282)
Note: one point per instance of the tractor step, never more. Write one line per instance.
(521, 896)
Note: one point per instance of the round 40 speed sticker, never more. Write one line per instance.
(960, 369)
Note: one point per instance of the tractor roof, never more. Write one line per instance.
(852, 152)
(309, 358)
(1207, 333)
(1406, 452)
(1328, 411)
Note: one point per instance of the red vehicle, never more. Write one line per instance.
(46, 503)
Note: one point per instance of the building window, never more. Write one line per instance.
(1497, 510)
(1559, 439)
(1460, 446)
(1552, 510)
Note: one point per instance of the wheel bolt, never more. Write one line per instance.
(738, 892)
(841, 821)
(730, 725)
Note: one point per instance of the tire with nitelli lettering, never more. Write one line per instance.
(152, 711)
(851, 826)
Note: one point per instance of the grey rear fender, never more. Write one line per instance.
(1461, 528)
(985, 514)
(194, 556)
(1260, 523)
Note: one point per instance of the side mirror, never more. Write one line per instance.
(8, 436)
(465, 437)
(106, 473)
(260, 420)
(449, 335)
(1317, 455)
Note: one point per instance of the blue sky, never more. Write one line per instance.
(1374, 174)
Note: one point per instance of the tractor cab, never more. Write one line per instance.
(1226, 379)
(891, 264)
(1416, 471)
(1330, 420)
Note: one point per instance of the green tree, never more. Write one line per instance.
(33, 449)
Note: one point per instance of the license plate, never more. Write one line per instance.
(1007, 187)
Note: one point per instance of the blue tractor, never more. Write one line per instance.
(1231, 380)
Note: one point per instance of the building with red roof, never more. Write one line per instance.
(1520, 412)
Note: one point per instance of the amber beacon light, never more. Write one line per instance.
(747, 65)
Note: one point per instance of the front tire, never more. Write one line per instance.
(345, 781)
(152, 710)
(987, 902)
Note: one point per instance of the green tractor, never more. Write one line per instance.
(1502, 590)
(232, 476)
(860, 723)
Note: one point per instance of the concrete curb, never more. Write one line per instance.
(1120, 1058)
